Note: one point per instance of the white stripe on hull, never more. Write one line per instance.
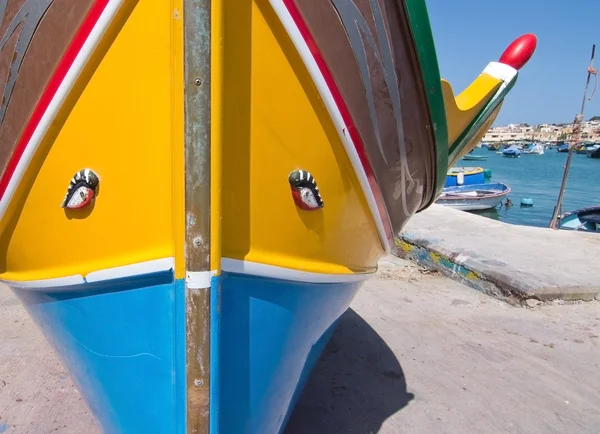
(195, 280)
(274, 272)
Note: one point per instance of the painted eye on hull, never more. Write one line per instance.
(82, 190)
(305, 191)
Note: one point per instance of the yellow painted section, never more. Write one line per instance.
(127, 126)
(216, 140)
(177, 138)
(478, 135)
(462, 109)
(403, 245)
(274, 122)
(473, 171)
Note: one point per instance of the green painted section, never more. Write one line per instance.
(479, 120)
(423, 40)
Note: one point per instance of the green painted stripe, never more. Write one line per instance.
(427, 58)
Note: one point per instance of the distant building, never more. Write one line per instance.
(590, 132)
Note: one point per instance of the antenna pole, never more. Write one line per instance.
(575, 139)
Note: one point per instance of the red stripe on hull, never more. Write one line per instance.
(345, 113)
(57, 78)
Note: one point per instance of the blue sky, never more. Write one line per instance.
(470, 33)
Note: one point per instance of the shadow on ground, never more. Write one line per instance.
(357, 384)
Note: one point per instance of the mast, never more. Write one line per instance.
(576, 133)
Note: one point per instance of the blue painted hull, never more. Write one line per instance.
(272, 334)
(585, 219)
(124, 344)
(469, 179)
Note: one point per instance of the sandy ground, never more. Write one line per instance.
(416, 353)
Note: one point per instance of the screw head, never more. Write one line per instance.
(197, 82)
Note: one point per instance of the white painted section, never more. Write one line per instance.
(46, 283)
(57, 101)
(138, 269)
(132, 270)
(198, 279)
(321, 84)
(500, 71)
(273, 272)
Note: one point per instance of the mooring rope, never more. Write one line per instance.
(593, 72)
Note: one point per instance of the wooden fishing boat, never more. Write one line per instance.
(584, 219)
(476, 197)
(192, 191)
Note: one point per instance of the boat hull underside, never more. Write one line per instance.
(472, 204)
(272, 334)
(123, 343)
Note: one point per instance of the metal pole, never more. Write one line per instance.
(197, 97)
(576, 133)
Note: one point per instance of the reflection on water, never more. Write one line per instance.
(490, 213)
(539, 177)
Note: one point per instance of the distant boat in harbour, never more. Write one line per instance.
(534, 149)
(563, 148)
(512, 152)
(474, 157)
(475, 197)
(593, 151)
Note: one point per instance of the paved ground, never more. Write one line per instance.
(509, 261)
(417, 353)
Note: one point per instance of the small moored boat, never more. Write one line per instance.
(512, 152)
(537, 149)
(474, 157)
(474, 197)
(584, 219)
(593, 151)
(465, 176)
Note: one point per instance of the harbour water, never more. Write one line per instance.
(538, 177)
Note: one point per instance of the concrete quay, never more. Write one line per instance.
(518, 264)
(416, 353)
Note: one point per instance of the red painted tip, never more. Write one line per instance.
(518, 53)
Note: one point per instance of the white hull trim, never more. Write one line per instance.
(125, 271)
(479, 206)
(194, 280)
(274, 272)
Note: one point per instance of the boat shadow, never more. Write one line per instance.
(357, 384)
